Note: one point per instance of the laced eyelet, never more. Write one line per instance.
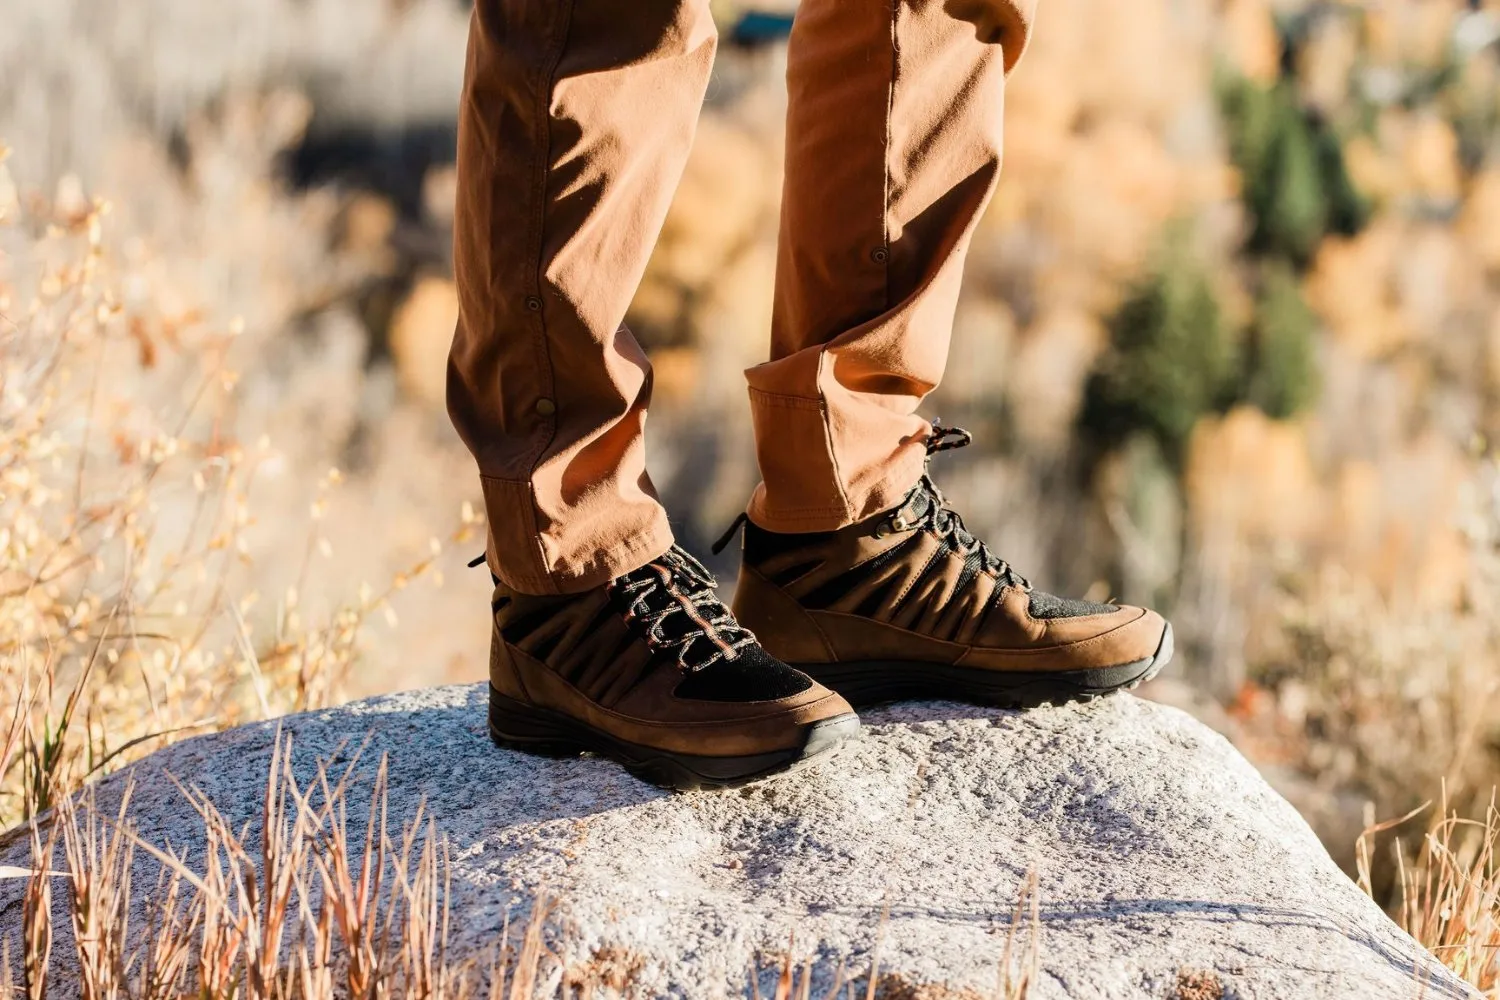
(678, 584)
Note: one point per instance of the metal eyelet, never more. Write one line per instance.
(900, 523)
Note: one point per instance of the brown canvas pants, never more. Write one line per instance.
(576, 122)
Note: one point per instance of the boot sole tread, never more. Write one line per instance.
(516, 725)
(875, 682)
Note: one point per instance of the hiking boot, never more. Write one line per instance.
(653, 671)
(908, 604)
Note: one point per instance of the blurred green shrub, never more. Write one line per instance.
(1172, 357)
(1295, 184)
(1280, 369)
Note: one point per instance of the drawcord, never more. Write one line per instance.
(728, 536)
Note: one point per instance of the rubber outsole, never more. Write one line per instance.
(515, 725)
(875, 682)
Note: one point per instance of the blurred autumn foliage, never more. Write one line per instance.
(1230, 339)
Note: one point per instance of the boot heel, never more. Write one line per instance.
(515, 725)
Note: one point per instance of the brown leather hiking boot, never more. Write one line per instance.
(652, 670)
(908, 604)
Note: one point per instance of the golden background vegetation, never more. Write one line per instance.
(1230, 343)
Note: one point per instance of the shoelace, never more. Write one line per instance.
(690, 590)
(936, 516)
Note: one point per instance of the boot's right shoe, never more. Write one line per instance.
(909, 604)
(653, 671)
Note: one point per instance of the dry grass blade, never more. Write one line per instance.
(1009, 986)
(352, 888)
(838, 980)
(1364, 845)
(50, 758)
(16, 728)
(8, 988)
(220, 937)
(880, 929)
(423, 919)
(36, 914)
(526, 971)
(283, 856)
(500, 967)
(99, 865)
(784, 983)
(172, 928)
(1450, 891)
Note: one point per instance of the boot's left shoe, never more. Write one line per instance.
(908, 604)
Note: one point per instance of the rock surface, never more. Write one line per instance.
(1160, 853)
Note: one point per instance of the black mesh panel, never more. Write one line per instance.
(754, 675)
(1051, 606)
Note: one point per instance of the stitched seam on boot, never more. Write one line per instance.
(807, 615)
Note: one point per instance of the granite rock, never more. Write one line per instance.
(1161, 856)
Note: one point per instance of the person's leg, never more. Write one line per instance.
(577, 116)
(576, 121)
(893, 151)
(855, 569)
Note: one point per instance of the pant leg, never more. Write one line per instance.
(893, 152)
(576, 121)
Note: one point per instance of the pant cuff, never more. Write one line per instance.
(515, 548)
(887, 493)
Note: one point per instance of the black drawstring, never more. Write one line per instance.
(947, 438)
(479, 561)
(728, 536)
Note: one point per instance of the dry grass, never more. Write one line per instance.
(1369, 700)
(126, 506)
(1448, 889)
(302, 908)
